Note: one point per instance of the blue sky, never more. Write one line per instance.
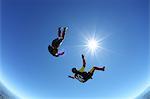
(30, 72)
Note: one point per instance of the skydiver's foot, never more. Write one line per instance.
(103, 69)
(99, 68)
(60, 28)
(65, 28)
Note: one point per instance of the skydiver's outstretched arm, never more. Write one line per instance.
(71, 77)
(60, 53)
(83, 60)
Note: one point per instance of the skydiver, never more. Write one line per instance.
(82, 75)
(53, 48)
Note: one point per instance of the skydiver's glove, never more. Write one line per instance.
(71, 77)
(62, 53)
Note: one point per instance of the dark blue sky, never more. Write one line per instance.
(29, 71)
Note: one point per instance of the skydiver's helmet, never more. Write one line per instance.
(74, 70)
(50, 48)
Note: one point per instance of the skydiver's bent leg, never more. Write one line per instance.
(96, 68)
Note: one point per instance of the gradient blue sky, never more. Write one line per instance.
(30, 72)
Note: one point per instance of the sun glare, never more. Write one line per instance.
(92, 45)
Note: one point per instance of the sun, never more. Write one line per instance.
(92, 45)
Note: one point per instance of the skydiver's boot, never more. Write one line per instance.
(65, 29)
(99, 68)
